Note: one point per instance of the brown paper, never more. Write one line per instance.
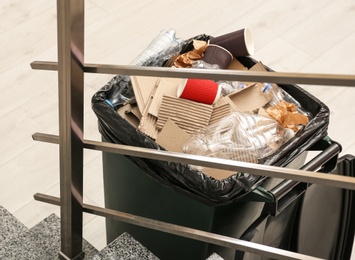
(286, 115)
(185, 60)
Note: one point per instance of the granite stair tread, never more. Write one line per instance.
(16, 239)
(47, 234)
(127, 248)
(42, 241)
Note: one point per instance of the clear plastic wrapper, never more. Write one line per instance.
(240, 136)
(229, 87)
(200, 64)
(163, 46)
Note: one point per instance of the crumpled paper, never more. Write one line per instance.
(186, 60)
(286, 115)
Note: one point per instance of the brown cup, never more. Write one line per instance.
(239, 43)
(215, 54)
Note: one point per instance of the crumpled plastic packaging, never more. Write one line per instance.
(239, 136)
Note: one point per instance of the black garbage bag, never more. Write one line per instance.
(181, 177)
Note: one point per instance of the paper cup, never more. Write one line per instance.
(239, 43)
(199, 90)
(215, 54)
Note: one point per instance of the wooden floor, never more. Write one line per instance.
(292, 36)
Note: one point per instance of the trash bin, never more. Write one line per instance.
(130, 190)
(175, 193)
(320, 223)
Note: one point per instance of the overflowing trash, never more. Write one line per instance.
(256, 122)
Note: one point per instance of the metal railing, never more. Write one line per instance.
(71, 69)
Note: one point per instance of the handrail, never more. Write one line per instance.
(232, 75)
(339, 181)
(208, 237)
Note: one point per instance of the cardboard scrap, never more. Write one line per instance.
(172, 137)
(221, 109)
(236, 65)
(135, 111)
(126, 112)
(166, 86)
(250, 98)
(188, 115)
(147, 125)
(143, 88)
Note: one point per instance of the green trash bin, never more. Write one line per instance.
(129, 189)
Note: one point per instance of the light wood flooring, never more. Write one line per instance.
(290, 36)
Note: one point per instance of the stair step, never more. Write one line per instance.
(46, 234)
(16, 239)
(214, 256)
(42, 241)
(125, 247)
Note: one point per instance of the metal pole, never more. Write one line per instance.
(232, 75)
(70, 19)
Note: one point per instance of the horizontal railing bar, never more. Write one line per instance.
(208, 237)
(334, 180)
(231, 75)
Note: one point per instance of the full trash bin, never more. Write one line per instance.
(179, 194)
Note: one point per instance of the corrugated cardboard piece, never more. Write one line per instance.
(166, 87)
(188, 115)
(149, 92)
(172, 137)
(221, 109)
(143, 88)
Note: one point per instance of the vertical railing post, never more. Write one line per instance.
(70, 20)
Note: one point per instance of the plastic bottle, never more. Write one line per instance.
(275, 91)
(163, 46)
